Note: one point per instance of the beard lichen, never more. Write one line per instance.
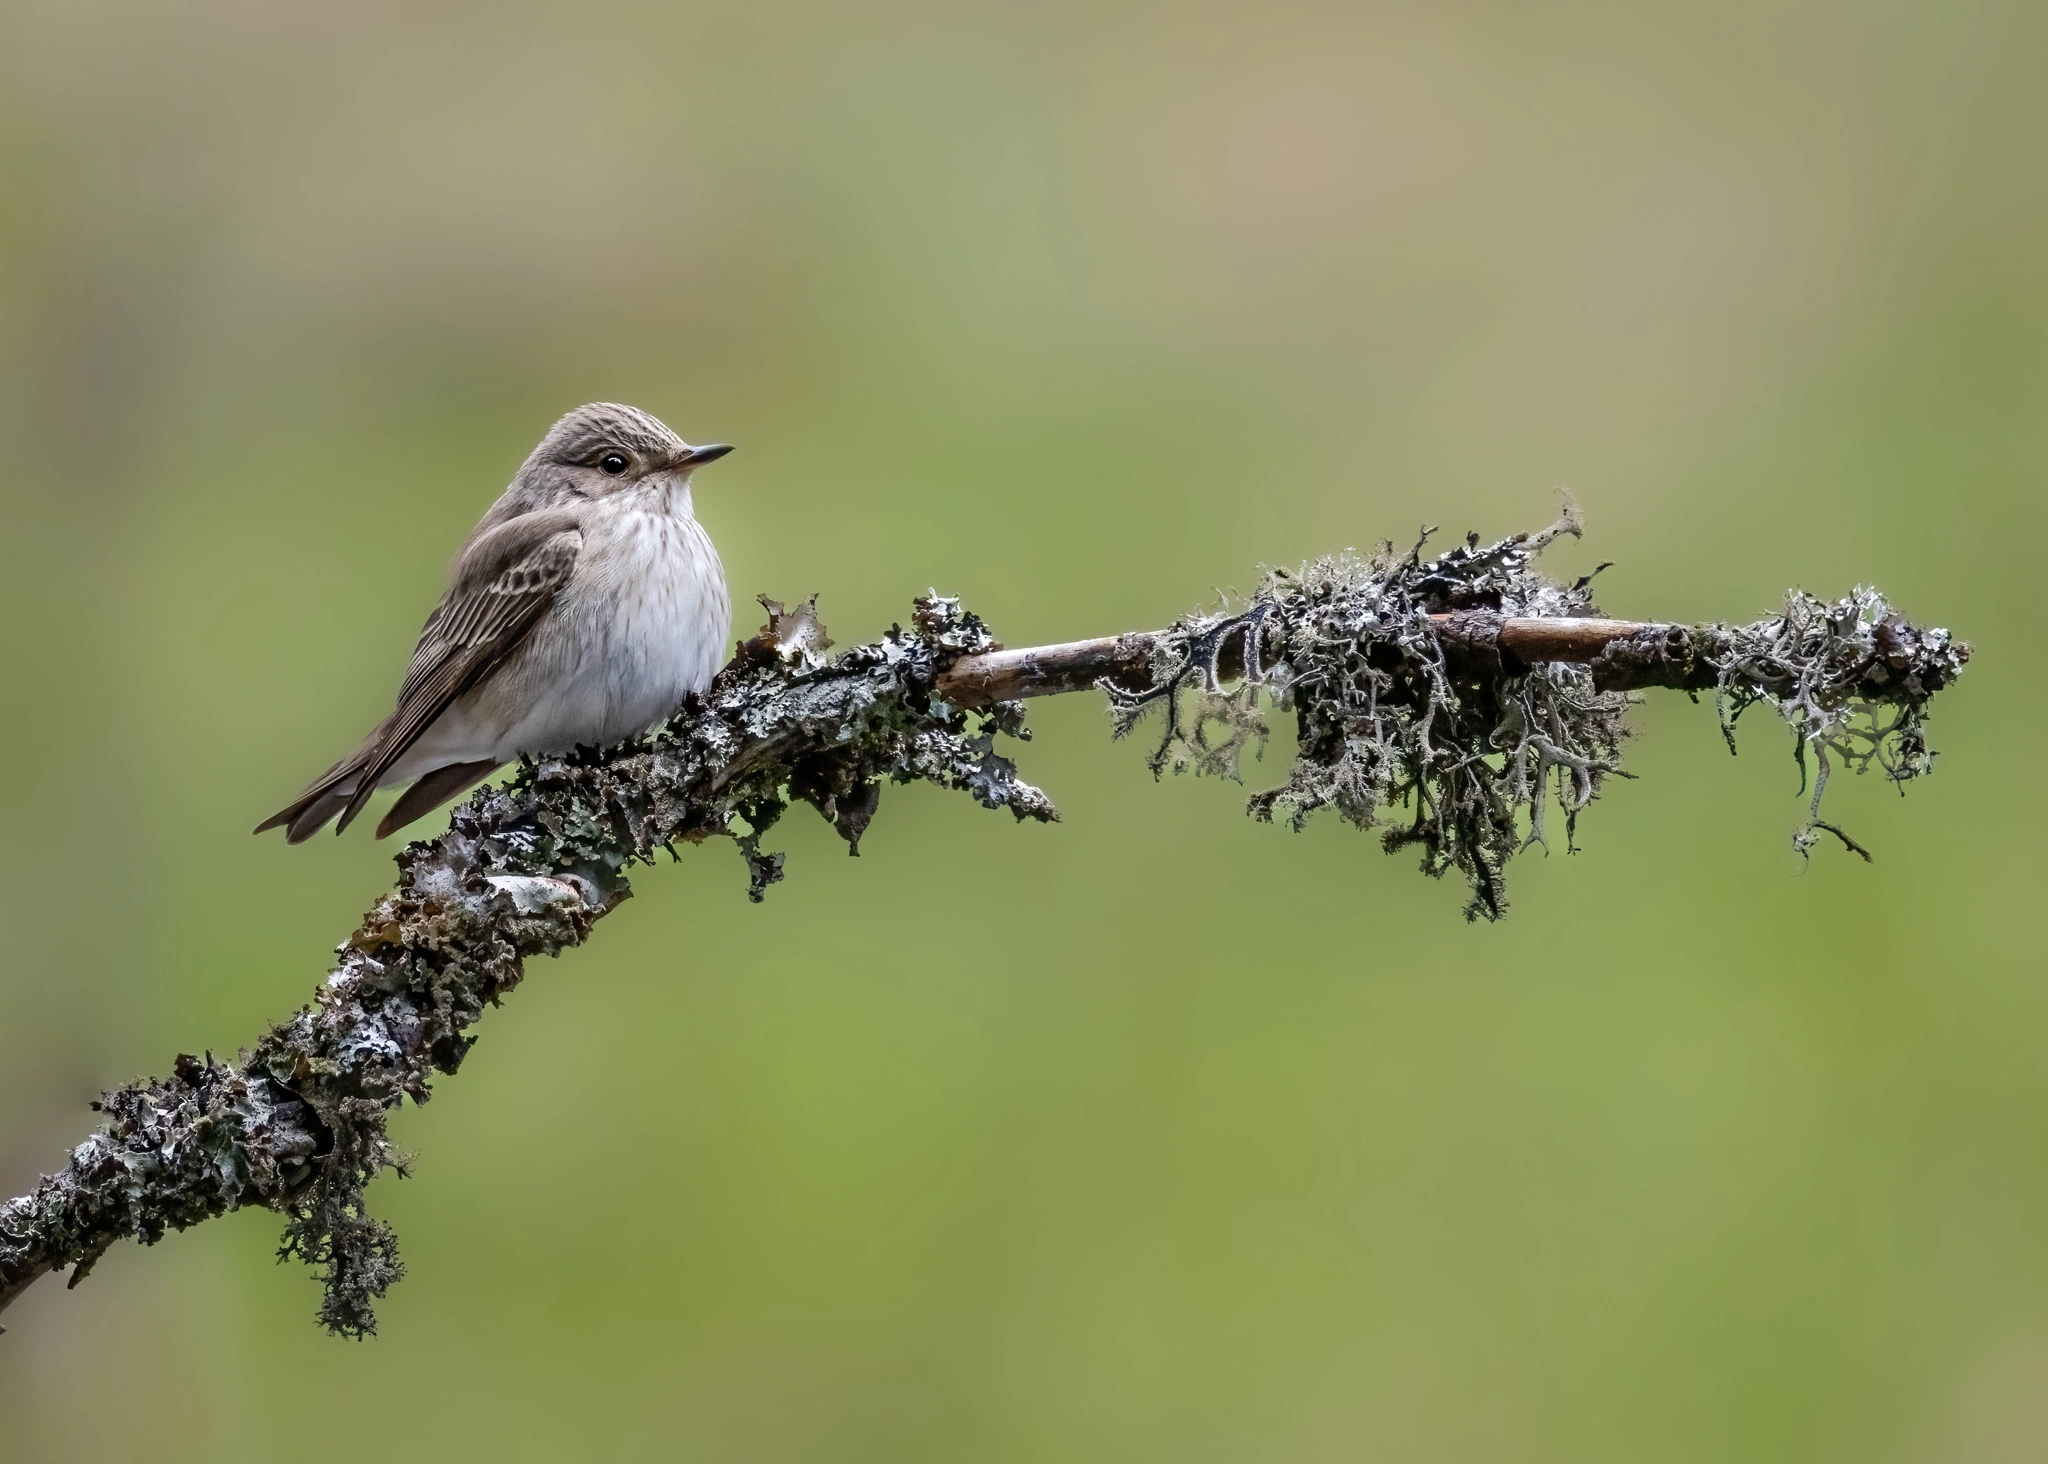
(1409, 716)
(1851, 679)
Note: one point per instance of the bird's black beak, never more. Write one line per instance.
(710, 452)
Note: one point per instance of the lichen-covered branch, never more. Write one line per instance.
(1629, 655)
(1468, 691)
(297, 1123)
(1465, 689)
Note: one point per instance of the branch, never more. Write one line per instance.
(1462, 686)
(297, 1123)
(1631, 655)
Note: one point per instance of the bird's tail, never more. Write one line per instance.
(311, 811)
(430, 792)
(334, 790)
(326, 796)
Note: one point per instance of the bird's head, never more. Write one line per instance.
(604, 448)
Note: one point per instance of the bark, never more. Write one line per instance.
(1630, 655)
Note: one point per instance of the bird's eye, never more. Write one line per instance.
(613, 463)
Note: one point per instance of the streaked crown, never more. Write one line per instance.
(584, 434)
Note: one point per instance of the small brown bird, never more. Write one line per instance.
(586, 605)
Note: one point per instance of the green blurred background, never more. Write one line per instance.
(1185, 1138)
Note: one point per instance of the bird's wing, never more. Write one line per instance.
(503, 583)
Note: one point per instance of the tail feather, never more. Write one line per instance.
(326, 795)
(313, 816)
(303, 816)
(432, 790)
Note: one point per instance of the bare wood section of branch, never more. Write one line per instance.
(1642, 654)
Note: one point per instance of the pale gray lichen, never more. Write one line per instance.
(1408, 714)
(1851, 679)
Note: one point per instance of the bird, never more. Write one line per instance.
(584, 607)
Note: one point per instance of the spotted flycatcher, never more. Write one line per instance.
(586, 605)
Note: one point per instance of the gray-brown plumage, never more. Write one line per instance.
(586, 605)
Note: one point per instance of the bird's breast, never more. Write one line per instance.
(641, 623)
(656, 604)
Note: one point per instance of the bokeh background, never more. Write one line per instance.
(1158, 1134)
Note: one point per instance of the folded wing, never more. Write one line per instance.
(504, 582)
